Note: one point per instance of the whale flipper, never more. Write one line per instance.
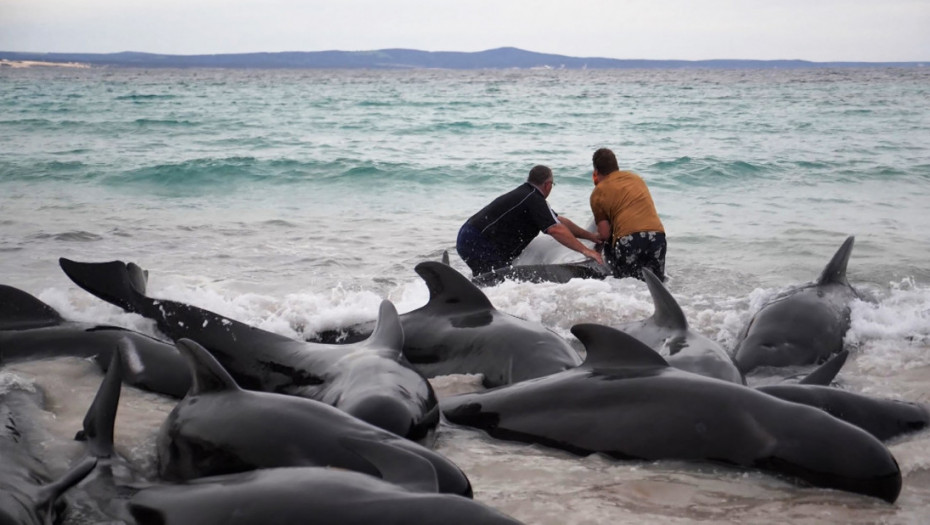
(101, 416)
(206, 372)
(396, 465)
(825, 373)
(50, 492)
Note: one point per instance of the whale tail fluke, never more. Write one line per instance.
(115, 282)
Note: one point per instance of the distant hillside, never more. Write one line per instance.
(502, 58)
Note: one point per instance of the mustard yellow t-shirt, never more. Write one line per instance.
(623, 200)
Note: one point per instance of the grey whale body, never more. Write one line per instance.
(220, 428)
(296, 496)
(803, 326)
(625, 401)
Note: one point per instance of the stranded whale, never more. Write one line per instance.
(625, 401)
(802, 326)
(219, 428)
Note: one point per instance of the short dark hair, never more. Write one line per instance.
(539, 175)
(605, 162)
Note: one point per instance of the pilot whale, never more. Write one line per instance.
(370, 380)
(29, 495)
(542, 273)
(627, 402)
(458, 331)
(219, 428)
(297, 496)
(31, 329)
(666, 331)
(801, 326)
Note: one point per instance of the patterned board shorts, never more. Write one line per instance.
(632, 253)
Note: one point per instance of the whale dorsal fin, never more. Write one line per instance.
(21, 311)
(610, 348)
(101, 416)
(668, 313)
(388, 333)
(450, 289)
(826, 373)
(835, 271)
(396, 465)
(207, 374)
(445, 257)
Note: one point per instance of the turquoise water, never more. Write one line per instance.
(296, 200)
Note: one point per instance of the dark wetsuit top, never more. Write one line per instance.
(512, 220)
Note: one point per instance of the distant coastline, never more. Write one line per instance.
(501, 58)
(20, 64)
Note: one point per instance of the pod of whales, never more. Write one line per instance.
(459, 331)
(370, 380)
(627, 402)
(802, 326)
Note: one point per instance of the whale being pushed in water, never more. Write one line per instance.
(627, 402)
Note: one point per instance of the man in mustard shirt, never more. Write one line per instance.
(626, 219)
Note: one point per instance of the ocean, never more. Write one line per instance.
(296, 200)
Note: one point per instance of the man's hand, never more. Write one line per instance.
(591, 254)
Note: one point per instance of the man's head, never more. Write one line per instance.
(605, 163)
(541, 177)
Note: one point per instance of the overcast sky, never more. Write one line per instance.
(818, 30)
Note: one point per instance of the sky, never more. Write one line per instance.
(816, 30)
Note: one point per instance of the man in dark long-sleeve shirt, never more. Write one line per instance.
(496, 235)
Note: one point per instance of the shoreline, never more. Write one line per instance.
(22, 64)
